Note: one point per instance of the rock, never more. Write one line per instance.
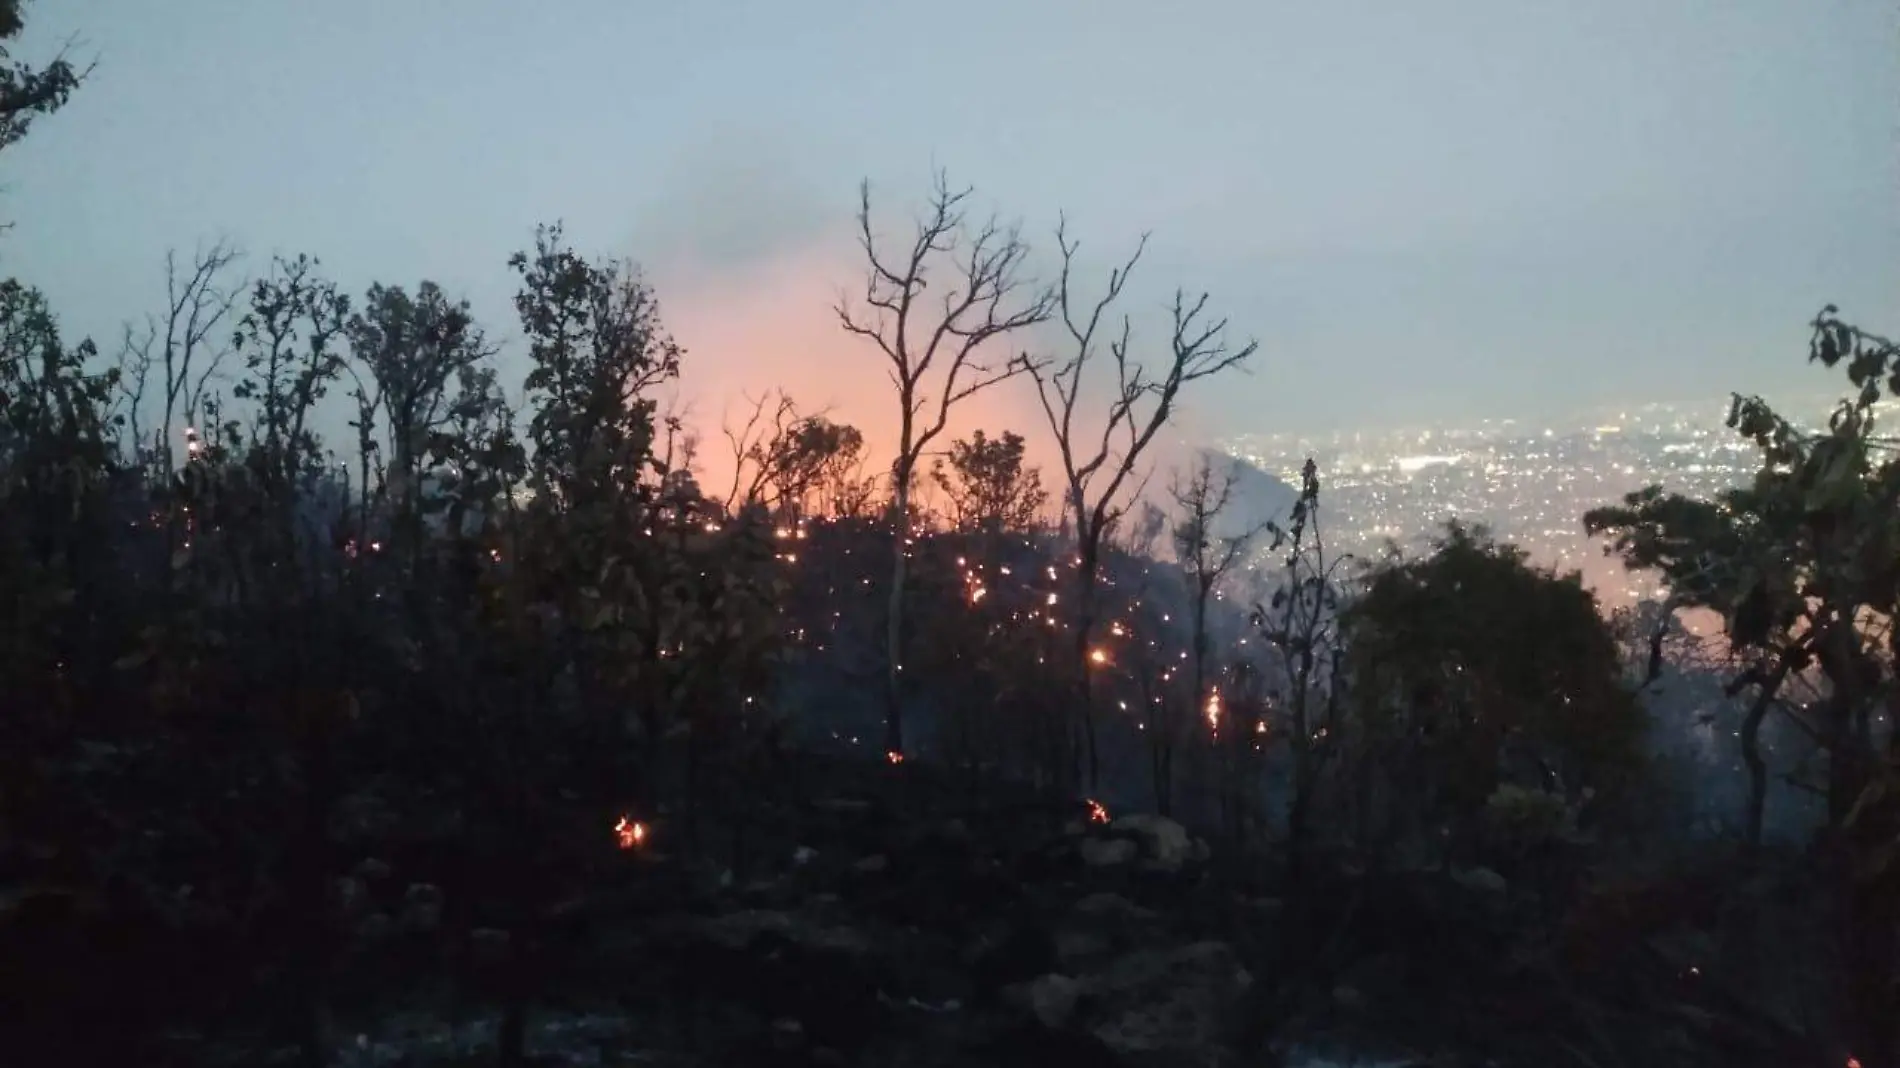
(803, 855)
(1348, 997)
(783, 966)
(1169, 1005)
(421, 908)
(349, 894)
(372, 870)
(1096, 928)
(1081, 951)
(1050, 999)
(1108, 852)
(1165, 845)
(1201, 852)
(375, 927)
(1266, 909)
(871, 865)
(787, 1034)
(361, 818)
(1481, 880)
(738, 930)
(1111, 908)
(488, 945)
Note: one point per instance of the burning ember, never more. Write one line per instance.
(630, 834)
(893, 756)
(1098, 656)
(1097, 813)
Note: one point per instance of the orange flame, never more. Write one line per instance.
(894, 756)
(1098, 656)
(1097, 813)
(629, 833)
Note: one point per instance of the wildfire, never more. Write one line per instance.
(1097, 813)
(893, 756)
(630, 834)
(1098, 656)
(1213, 710)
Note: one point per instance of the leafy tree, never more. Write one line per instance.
(414, 351)
(989, 488)
(26, 93)
(1301, 624)
(786, 462)
(1802, 563)
(1471, 668)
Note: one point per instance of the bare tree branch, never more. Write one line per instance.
(985, 299)
(1097, 467)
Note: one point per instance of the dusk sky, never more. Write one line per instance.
(1421, 211)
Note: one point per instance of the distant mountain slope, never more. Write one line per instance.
(1258, 497)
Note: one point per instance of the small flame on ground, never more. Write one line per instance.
(1097, 813)
(1098, 656)
(629, 833)
(893, 756)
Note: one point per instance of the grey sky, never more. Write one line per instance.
(1470, 207)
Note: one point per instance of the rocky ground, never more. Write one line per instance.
(878, 932)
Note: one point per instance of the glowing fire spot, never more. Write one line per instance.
(893, 756)
(1097, 814)
(1213, 710)
(629, 833)
(1098, 656)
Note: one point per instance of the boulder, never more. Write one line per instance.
(1050, 999)
(739, 930)
(1108, 852)
(372, 870)
(1480, 880)
(1097, 928)
(1164, 844)
(1165, 1006)
(421, 908)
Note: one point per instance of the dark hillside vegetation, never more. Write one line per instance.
(487, 734)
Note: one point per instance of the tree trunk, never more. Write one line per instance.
(1090, 553)
(894, 617)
